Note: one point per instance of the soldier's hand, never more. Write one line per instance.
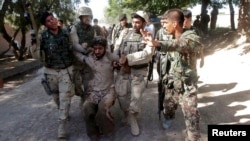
(123, 59)
(84, 45)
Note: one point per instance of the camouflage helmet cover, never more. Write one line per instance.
(85, 11)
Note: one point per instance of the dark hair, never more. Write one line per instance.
(174, 15)
(187, 13)
(44, 16)
(99, 40)
(60, 20)
(134, 15)
(95, 20)
(122, 17)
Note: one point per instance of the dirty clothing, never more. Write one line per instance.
(100, 96)
(181, 82)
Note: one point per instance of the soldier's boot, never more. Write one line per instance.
(62, 130)
(133, 124)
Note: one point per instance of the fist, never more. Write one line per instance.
(84, 45)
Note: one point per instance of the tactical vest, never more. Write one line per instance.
(56, 50)
(131, 44)
(85, 35)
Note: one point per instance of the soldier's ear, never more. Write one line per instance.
(175, 24)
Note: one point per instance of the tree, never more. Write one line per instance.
(244, 18)
(18, 14)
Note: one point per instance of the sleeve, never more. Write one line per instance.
(140, 57)
(79, 56)
(180, 45)
(75, 41)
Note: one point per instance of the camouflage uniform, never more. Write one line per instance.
(56, 55)
(181, 82)
(100, 96)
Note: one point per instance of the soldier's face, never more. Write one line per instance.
(51, 22)
(123, 22)
(99, 51)
(187, 23)
(86, 19)
(169, 26)
(137, 24)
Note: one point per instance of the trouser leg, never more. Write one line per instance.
(89, 111)
(104, 118)
(170, 103)
(191, 114)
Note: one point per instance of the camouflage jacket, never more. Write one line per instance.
(186, 48)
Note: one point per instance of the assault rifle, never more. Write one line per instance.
(150, 70)
(161, 94)
(162, 70)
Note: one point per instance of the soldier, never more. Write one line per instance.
(56, 55)
(205, 19)
(61, 23)
(98, 30)
(182, 78)
(118, 28)
(187, 25)
(101, 93)
(197, 23)
(134, 58)
(163, 65)
(82, 35)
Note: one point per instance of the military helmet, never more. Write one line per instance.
(95, 20)
(142, 14)
(85, 11)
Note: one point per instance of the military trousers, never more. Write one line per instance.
(129, 88)
(96, 112)
(62, 90)
(188, 102)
